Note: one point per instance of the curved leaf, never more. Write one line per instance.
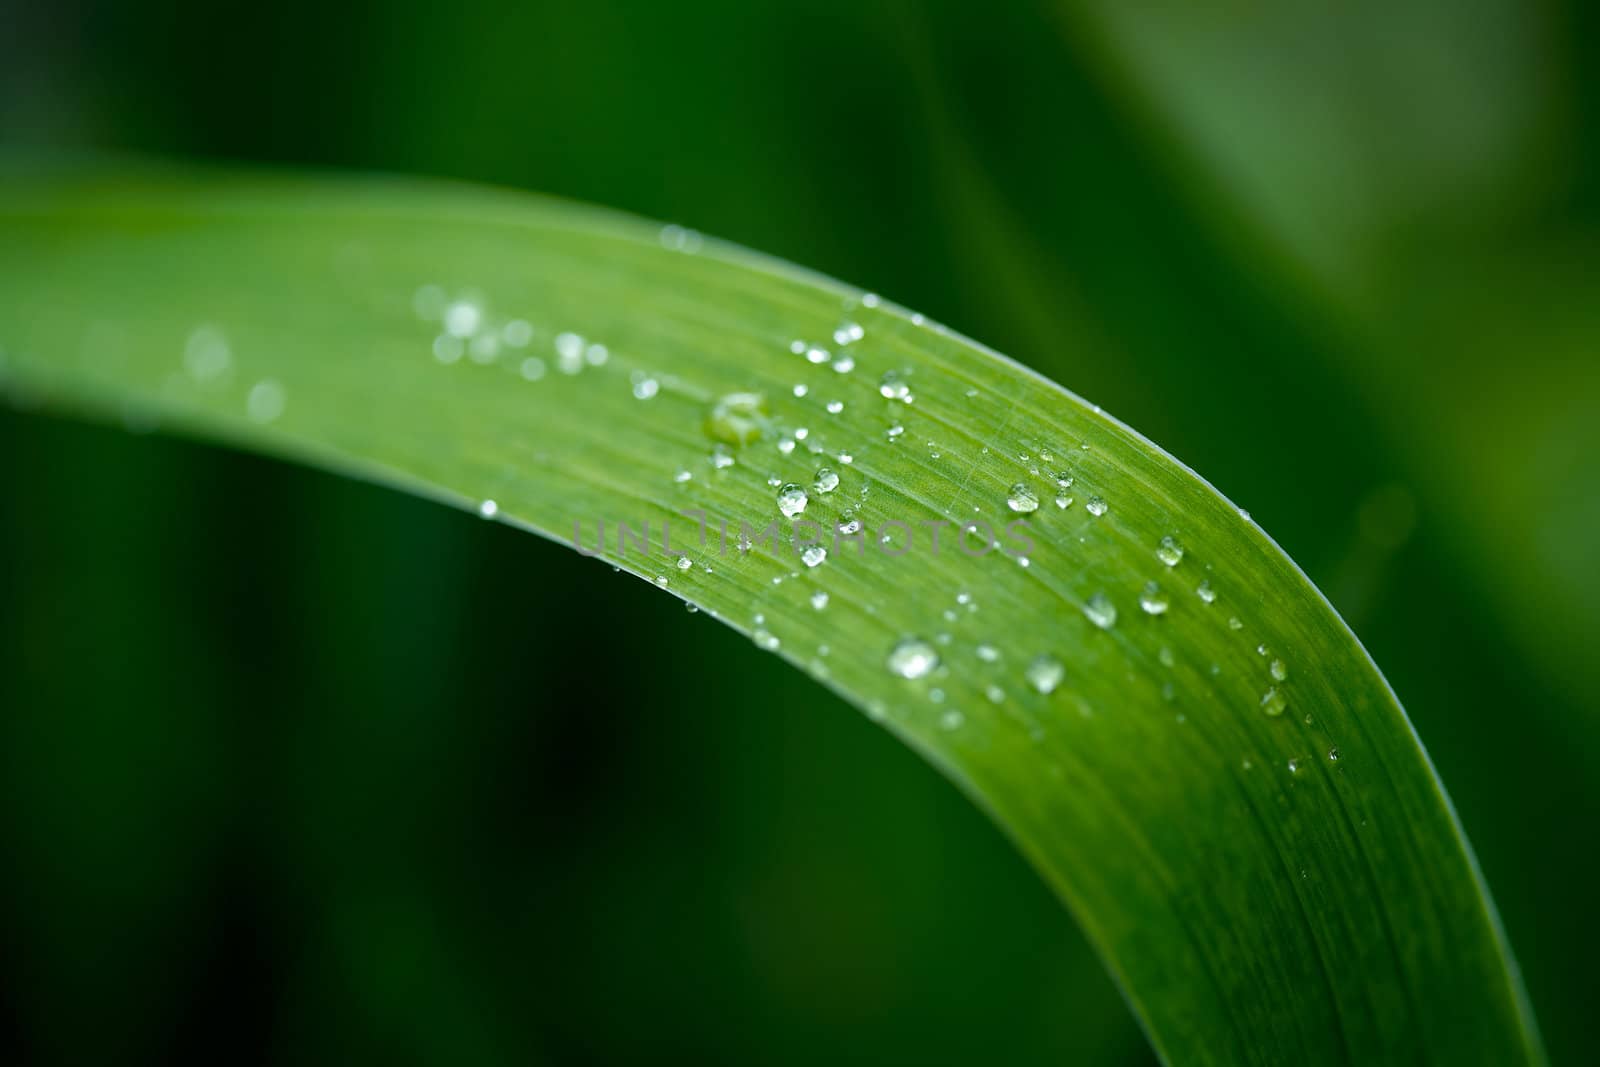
(1147, 695)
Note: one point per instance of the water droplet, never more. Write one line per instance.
(596, 355)
(645, 387)
(1165, 656)
(685, 563)
(895, 431)
(792, 500)
(1063, 501)
(1294, 766)
(1334, 754)
(1045, 673)
(845, 457)
(206, 354)
(988, 653)
(517, 333)
(765, 641)
(737, 419)
(744, 544)
(683, 475)
(819, 599)
(462, 318)
(1022, 499)
(1234, 623)
(817, 355)
(893, 387)
(1063, 481)
(827, 480)
(1169, 551)
(533, 368)
(1096, 506)
(786, 445)
(266, 401)
(869, 300)
(1153, 600)
(569, 353)
(995, 694)
(913, 658)
(721, 458)
(813, 555)
(952, 720)
(801, 389)
(845, 363)
(488, 509)
(1205, 592)
(835, 406)
(848, 333)
(1100, 611)
(1279, 671)
(1272, 702)
(850, 526)
(661, 580)
(447, 349)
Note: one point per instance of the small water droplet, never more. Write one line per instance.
(1294, 766)
(1096, 506)
(1166, 657)
(786, 445)
(661, 580)
(792, 500)
(533, 368)
(569, 353)
(645, 388)
(765, 641)
(845, 457)
(1279, 671)
(721, 458)
(266, 401)
(1063, 501)
(850, 526)
(1063, 481)
(517, 333)
(893, 387)
(817, 355)
(1100, 611)
(462, 318)
(951, 720)
(913, 658)
(995, 694)
(685, 563)
(1153, 600)
(1234, 623)
(488, 509)
(827, 480)
(683, 475)
(819, 599)
(1272, 702)
(895, 431)
(1169, 551)
(988, 653)
(1205, 592)
(813, 555)
(848, 333)
(801, 389)
(1045, 673)
(1334, 754)
(835, 406)
(844, 364)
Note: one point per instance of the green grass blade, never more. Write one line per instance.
(1221, 786)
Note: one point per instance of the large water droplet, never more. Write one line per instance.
(1022, 499)
(1045, 673)
(813, 555)
(1100, 611)
(1096, 506)
(1169, 551)
(792, 500)
(738, 418)
(913, 658)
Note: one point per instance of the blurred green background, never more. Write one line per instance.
(294, 769)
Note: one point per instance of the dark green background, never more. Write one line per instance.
(295, 769)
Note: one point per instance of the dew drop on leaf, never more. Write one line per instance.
(1045, 673)
(913, 658)
(1100, 611)
(792, 500)
(1169, 551)
(1022, 499)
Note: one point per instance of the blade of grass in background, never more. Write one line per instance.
(1152, 701)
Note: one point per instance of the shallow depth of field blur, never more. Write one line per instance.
(300, 769)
